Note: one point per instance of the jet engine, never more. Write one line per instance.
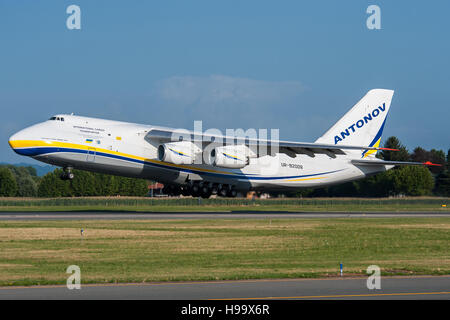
(233, 157)
(181, 152)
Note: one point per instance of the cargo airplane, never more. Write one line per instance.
(200, 164)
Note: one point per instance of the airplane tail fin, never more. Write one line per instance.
(363, 124)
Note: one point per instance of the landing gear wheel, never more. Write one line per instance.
(222, 192)
(232, 193)
(67, 174)
(175, 191)
(195, 194)
(195, 190)
(205, 192)
(185, 191)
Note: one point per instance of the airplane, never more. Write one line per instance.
(201, 164)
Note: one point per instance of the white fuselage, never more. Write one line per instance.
(120, 148)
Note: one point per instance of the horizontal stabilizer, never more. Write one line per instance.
(392, 163)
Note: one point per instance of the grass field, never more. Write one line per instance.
(223, 204)
(39, 252)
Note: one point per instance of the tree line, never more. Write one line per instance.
(403, 180)
(24, 182)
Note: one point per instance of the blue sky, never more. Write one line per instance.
(293, 65)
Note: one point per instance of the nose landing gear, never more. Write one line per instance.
(67, 174)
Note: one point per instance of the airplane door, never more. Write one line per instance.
(91, 155)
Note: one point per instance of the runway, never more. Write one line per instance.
(417, 288)
(111, 215)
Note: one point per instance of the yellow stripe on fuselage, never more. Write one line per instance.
(18, 144)
(306, 179)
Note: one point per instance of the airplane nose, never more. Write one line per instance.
(14, 141)
(10, 141)
(14, 137)
(19, 142)
(28, 141)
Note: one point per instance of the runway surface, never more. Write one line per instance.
(418, 288)
(208, 215)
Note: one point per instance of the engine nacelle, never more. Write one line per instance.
(182, 152)
(233, 157)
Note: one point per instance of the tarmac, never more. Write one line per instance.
(391, 288)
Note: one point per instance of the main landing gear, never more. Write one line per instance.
(201, 189)
(67, 174)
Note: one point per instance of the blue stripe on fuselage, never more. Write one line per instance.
(47, 150)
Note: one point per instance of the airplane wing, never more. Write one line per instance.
(394, 163)
(170, 135)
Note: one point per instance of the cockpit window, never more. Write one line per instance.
(56, 118)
